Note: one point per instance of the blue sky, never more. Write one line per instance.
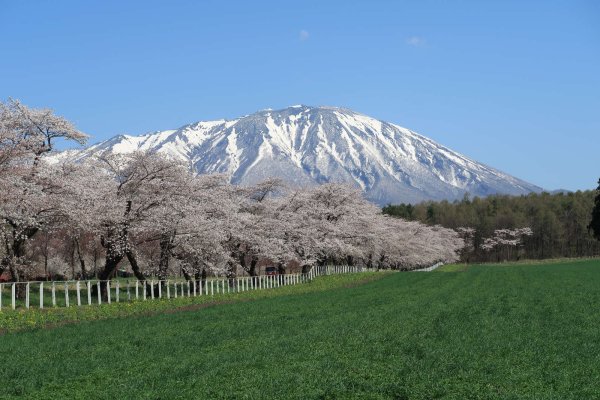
(513, 84)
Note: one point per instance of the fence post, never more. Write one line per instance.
(77, 287)
(53, 294)
(117, 287)
(89, 289)
(137, 289)
(144, 290)
(41, 295)
(152, 289)
(14, 296)
(212, 291)
(27, 295)
(66, 294)
(194, 284)
(188, 285)
(175, 290)
(108, 291)
(159, 289)
(168, 290)
(128, 292)
(99, 285)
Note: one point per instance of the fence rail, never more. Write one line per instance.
(51, 294)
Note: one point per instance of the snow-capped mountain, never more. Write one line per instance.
(309, 145)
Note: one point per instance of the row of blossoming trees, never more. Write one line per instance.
(151, 212)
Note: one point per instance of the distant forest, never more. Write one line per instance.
(559, 222)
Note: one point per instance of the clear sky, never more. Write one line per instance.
(513, 84)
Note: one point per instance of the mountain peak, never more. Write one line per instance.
(306, 145)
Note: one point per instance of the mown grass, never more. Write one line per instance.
(452, 268)
(485, 333)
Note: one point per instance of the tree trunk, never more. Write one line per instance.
(281, 271)
(95, 260)
(72, 259)
(15, 255)
(253, 262)
(134, 265)
(113, 257)
(203, 277)
(166, 245)
(84, 273)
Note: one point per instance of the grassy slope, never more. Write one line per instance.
(488, 332)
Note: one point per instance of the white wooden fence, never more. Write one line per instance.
(44, 294)
(428, 269)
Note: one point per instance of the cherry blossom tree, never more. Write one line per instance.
(504, 241)
(30, 189)
(148, 210)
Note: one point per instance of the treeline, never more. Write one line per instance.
(559, 222)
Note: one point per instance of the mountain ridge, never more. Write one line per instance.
(307, 145)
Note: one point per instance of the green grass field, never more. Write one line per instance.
(483, 332)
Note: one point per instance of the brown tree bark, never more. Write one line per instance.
(84, 272)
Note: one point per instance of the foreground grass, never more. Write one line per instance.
(485, 333)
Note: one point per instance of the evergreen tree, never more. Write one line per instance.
(559, 221)
(594, 225)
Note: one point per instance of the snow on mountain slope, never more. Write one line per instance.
(308, 145)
